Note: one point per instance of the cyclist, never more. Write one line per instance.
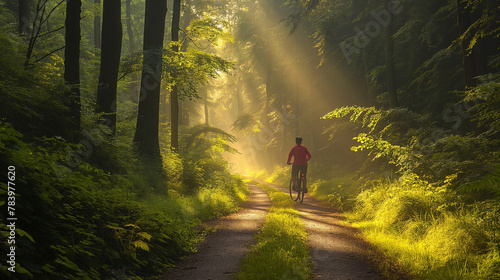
(301, 156)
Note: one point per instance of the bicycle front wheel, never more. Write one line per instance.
(294, 195)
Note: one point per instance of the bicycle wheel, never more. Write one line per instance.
(293, 194)
(301, 188)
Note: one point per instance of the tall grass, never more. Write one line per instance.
(424, 230)
(281, 251)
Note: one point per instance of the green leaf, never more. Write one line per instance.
(113, 227)
(63, 260)
(145, 235)
(22, 270)
(132, 225)
(141, 244)
(23, 233)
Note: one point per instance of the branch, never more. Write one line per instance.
(35, 36)
(56, 50)
(210, 42)
(51, 11)
(50, 32)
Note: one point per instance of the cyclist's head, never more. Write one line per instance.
(298, 140)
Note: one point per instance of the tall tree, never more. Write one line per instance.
(174, 98)
(110, 62)
(146, 133)
(24, 16)
(184, 105)
(72, 60)
(97, 27)
(130, 34)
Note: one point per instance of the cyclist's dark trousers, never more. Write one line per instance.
(301, 168)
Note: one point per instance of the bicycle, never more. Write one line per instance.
(301, 180)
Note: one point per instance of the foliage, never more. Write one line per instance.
(189, 69)
(39, 114)
(485, 98)
(437, 218)
(211, 30)
(244, 121)
(486, 24)
(407, 141)
(202, 159)
(80, 222)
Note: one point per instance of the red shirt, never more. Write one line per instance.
(301, 155)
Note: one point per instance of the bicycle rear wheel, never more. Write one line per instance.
(301, 189)
(294, 195)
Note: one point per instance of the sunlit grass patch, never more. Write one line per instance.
(281, 251)
(427, 234)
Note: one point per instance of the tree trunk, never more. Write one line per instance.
(130, 34)
(390, 68)
(146, 133)
(72, 61)
(205, 106)
(239, 101)
(174, 99)
(475, 61)
(97, 28)
(464, 22)
(134, 77)
(24, 17)
(110, 62)
(184, 105)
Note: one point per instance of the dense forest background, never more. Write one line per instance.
(126, 123)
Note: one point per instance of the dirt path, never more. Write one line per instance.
(219, 257)
(337, 251)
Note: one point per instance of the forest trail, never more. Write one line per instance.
(220, 255)
(337, 251)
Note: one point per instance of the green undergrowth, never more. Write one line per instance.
(430, 231)
(281, 251)
(77, 221)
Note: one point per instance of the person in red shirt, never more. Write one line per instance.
(300, 156)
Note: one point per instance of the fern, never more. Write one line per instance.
(201, 129)
(488, 185)
(398, 155)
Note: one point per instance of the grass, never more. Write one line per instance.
(207, 203)
(281, 251)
